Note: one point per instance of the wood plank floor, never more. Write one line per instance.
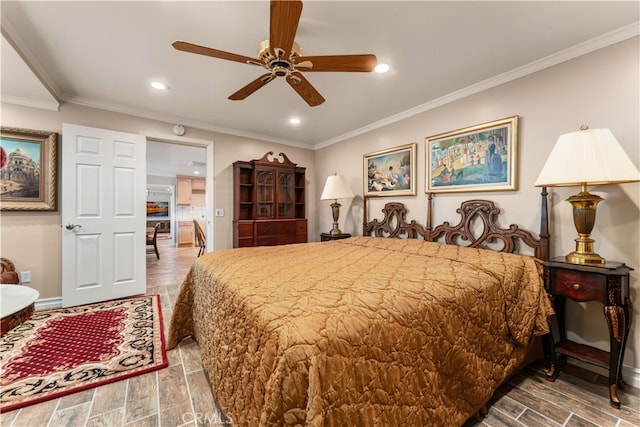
(180, 395)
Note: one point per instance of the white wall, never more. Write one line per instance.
(600, 89)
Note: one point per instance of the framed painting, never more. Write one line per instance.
(28, 170)
(158, 209)
(477, 158)
(391, 172)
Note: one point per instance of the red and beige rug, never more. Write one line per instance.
(63, 351)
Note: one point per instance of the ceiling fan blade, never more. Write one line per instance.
(252, 87)
(347, 63)
(285, 16)
(215, 53)
(301, 85)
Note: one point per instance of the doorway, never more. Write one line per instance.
(168, 157)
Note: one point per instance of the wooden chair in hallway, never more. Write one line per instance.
(152, 236)
(201, 240)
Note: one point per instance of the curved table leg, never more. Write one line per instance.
(618, 321)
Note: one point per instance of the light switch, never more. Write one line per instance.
(219, 212)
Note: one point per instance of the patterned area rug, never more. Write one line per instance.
(63, 351)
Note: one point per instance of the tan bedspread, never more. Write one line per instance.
(359, 332)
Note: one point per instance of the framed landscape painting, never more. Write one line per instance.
(477, 158)
(158, 209)
(391, 172)
(28, 170)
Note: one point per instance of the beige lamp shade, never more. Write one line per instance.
(591, 156)
(336, 187)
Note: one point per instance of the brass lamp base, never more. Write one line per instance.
(584, 218)
(584, 258)
(335, 209)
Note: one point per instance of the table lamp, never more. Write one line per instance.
(335, 188)
(586, 157)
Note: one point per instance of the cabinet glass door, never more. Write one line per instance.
(264, 194)
(286, 195)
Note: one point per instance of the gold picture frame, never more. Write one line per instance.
(477, 158)
(391, 172)
(28, 170)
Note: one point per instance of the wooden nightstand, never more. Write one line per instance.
(328, 236)
(607, 283)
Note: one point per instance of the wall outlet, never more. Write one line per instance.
(219, 212)
(25, 277)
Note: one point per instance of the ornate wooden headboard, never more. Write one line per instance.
(485, 234)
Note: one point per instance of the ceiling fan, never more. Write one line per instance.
(282, 56)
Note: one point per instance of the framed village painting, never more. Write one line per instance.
(28, 170)
(391, 172)
(477, 158)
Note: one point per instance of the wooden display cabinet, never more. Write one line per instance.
(268, 202)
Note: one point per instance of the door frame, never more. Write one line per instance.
(209, 193)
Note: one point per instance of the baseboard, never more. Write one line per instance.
(48, 303)
(630, 375)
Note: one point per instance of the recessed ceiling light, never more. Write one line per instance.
(159, 86)
(294, 121)
(381, 68)
(196, 172)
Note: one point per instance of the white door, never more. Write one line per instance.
(103, 214)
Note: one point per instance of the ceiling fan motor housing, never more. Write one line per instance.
(265, 55)
(278, 66)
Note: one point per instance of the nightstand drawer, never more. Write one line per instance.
(579, 286)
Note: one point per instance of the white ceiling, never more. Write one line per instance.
(104, 54)
(169, 160)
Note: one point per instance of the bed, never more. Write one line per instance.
(368, 330)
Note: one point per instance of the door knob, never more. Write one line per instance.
(72, 226)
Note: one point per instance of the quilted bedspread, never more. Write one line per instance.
(359, 332)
